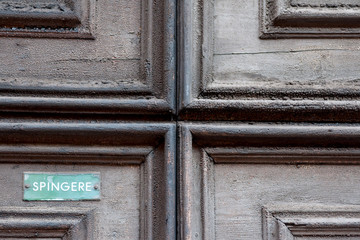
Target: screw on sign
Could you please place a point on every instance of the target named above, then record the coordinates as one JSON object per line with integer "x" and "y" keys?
{"x": 61, "y": 186}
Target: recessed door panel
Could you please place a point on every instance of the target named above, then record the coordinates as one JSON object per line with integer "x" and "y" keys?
{"x": 132, "y": 166}
{"x": 115, "y": 216}
{"x": 268, "y": 60}
{"x": 275, "y": 202}
{"x": 87, "y": 56}
{"x": 269, "y": 181}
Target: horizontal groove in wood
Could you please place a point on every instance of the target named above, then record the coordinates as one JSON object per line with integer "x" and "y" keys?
{"x": 74, "y": 155}
{"x": 285, "y": 155}
{"x": 33, "y": 19}
{"x": 277, "y": 143}
{"x": 69, "y": 105}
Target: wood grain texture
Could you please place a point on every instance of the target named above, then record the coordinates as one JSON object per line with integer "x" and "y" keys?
{"x": 228, "y": 73}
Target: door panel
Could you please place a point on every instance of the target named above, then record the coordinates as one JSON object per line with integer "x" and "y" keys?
{"x": 87, "y": 56}
{"x": 73, "y": 71}
{"x": 115, "y": 216}
{"x": 269, "y": 181}
{"x": 137, "y": 167}
{"x": 269, "y": 60}
{"x": 305, "y": 201}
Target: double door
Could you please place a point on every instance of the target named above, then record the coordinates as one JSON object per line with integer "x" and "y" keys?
{"x": 216, "y": 119}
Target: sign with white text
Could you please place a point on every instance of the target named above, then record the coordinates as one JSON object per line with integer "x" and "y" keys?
{"x": 61, "y": 186}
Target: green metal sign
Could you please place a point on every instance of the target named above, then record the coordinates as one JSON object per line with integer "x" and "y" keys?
{"x": 61, "y": 186}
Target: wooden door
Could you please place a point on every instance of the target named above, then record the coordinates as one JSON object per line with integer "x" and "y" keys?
{"x": 269, "y": 99}
{"x": 81, "y": 82}
{"x": 258, "y": 128}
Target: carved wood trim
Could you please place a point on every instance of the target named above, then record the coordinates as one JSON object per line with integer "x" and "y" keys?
{"x": 202, "y": 146}
{"x": 196, "y": 190}
{"x": 152, "y": 94}
{"x": 54, "y": 19}
{"x": 285, "y": 222}
{"x": 67, "y": 224}
{"x": 202, "y": 97}
{"x": 73, "y": 155}
{"x": 348, "y": 4}
{"x": 283, "y": 155}
{"x": 38, "y": 14}
{"x": 287, "y": 19}
{"x": 151, "y": 146}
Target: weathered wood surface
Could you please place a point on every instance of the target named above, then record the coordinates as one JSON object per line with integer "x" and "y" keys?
{"x": 112, "y": 59}
{"x": 268, "y": 181}
{"x": 228, "y": 72}
{"x": 137, "y": 166}
{"x": 117, "y": 214}
{"x": 127, "y": 65}
{"x": 241, "y": 191}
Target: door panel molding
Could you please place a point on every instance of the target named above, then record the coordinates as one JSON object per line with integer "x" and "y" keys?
{"x": 203, "y": 145}
{"x": 63, "y": 223}
{"x": 53, "y": 19}
{"x": 30, "y": 153}
{"x": 238, "y": 91}
{"x": 285, "y": 222}
{"x": 283, "y": 155}
{"x": 314, "y": 19}
{"x": 100, "y": 82}
{"x": 150, "y": 146}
